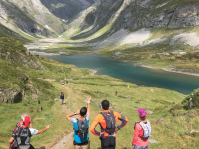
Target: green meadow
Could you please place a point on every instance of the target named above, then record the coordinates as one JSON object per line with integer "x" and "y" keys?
{"x": 165, "y": 104}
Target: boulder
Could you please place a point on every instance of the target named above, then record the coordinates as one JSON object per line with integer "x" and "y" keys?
{"x": 193, "y": 132}
{"x": 127, "y": 96}
{"x": 33, "y": 96}
{"x": 40, "y": 108}
{"x": 151, "y": 141}
{"x": 38, "y": 92}
{"x": 149, "y": 112}
{"x": 160, "y": 121}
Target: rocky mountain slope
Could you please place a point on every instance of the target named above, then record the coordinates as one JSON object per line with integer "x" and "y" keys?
{"x": 66, "y": 9}
{"x": 29, "y": 18}
{"x": 128, "y": 14}
{"x": 141, "y": 30}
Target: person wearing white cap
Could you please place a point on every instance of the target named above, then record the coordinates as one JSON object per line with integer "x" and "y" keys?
{"x": 24, "y": 134}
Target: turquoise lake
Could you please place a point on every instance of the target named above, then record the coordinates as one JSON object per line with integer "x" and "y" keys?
{"x": 129, "y": 73}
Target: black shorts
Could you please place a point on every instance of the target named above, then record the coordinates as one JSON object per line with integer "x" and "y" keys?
{"x": 108, "y": 143}
{"x": 80, "y": 144}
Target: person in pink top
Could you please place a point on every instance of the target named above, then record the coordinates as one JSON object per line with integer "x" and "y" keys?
{"x": 142, "y": 131}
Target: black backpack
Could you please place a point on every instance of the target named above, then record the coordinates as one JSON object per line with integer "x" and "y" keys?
{"x": 110, "y": 122}
{"x": 14, "y": 144}
{"x": 82, "y": 128}
{"x": 23, "y": 137}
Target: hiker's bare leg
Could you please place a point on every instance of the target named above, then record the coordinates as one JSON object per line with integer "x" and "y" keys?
{"x": 77, "y": 147}
{"x": 85, "y": 147}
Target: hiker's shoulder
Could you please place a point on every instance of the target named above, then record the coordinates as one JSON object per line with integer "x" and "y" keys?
{"x": 116, "y": 114}
{"x": 137, "y": 125}
{"x": 73, "y": 120}
{"x": 99, "y": 116}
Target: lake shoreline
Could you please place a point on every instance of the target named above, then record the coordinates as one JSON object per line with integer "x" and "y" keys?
{"x": 167, "y": 69}
{"x": 135, "y": 64}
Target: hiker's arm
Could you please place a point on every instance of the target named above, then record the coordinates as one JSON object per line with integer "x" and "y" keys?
{"x": 72, "y": 114}
{"x": 124, "y": 121}
{"x": 92, "y": 128}
{"x": 136, "y": 134}
{"x": 11, "y": 140}
{"x": 88, "y": 105}
{"x": 30, "y": 125}
{"x": 42, "y": 130}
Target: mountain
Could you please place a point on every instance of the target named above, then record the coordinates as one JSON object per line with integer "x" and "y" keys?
{"x": 66, "y": 9}
{"x": 132, "y": 15}
{"x": 29, "y": 18}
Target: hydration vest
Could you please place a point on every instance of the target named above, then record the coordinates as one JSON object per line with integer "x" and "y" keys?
{"x": 110, "y": 122}
{"x": 23, "y": 138}
{"x": 146, "y": 127}
{"x": 14, "y": 144}
{"x": 82, "y": 128}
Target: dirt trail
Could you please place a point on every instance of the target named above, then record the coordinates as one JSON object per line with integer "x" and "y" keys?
{"x": 67, "y": 140}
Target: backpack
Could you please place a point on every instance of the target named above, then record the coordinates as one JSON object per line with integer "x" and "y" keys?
{"x": 110, "y": 122}
{"x": 23, "y": 137}
{"x": 82, "y": 128}
{"x": 14, "y": 144}
{"x": 146, "y": 130}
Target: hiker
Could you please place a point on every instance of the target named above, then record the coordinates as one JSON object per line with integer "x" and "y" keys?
{"x": 116, "y": 93}
{"x": 61, "y": 97}
{"x": 108, "y": 120}
{"x": 81, "y": 126}
{"x": 142, "y": 131}
{"x": 24, "y": 134}
{"x": 14, "y": 145}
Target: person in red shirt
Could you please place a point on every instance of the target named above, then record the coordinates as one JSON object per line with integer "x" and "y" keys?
{"x": 142, "y": 131}
{"x": 108, "y": 135}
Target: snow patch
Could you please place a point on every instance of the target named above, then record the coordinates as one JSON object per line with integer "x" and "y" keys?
{"x": 192, "y": 39}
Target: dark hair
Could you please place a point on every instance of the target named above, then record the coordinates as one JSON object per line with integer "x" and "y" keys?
{"x": 143, "y": 118}
{"x": 105, "y": 104}
{"x": 83, "y": 111}
{"x": 62, "y": 92}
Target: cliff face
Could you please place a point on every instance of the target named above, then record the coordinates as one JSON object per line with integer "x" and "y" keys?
{"x": 30, "y": 17}
{"x": 153, "y": 14}
{"x": 66, "y": 9}
{"x": 127, "y": 14}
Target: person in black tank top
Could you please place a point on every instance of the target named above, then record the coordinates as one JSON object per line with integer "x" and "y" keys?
{"x": 61, "y": 97}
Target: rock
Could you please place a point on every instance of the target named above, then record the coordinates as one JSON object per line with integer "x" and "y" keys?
{"x": 152, "y": 90}
{"x": 149, "y": 112}
{"x": 40, "y": 108}
{"x": 23, "y": 94}
{"x": 127, "y": 96}
{"x": 194, "y": 113}
{"x": 33, "y": 96}
{"x": 151, "y": 141}
{"x": 160, "y": 121}
{"x": 56, "y": 99}
{"x": 193, "y": 132}
{"x": 197, "y": 93}
{"x": 190, "y": 103}
{"x": 62, "y": 81}
{"x": 38, "y": 92}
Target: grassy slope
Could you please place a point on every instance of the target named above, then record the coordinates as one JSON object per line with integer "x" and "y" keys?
{"x": 170, "y": 134}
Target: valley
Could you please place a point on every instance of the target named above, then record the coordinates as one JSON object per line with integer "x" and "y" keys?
{"x": 128, "y": 42}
